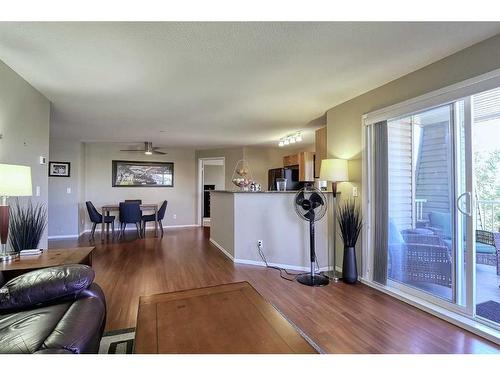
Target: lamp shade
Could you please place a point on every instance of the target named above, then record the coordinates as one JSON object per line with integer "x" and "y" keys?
{"x": 15, "y": 180}
{"x": 334, "y": 170}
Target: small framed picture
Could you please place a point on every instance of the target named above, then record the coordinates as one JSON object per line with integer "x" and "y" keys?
{"x": 59, "y": 169}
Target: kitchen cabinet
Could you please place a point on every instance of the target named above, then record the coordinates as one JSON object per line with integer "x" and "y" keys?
{"x": 305, "y": 161}
{"x": 290, "y": 160}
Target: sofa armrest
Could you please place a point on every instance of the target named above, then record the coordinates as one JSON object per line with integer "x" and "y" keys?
{"x": 45, "y": 286}
{"x": 81, "y": 328}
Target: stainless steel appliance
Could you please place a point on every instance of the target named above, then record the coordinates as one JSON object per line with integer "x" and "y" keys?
{"x": 290, "y": 173}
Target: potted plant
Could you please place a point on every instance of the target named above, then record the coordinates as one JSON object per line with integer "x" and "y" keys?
{"x": 27, "y": 223}
{"x": 350, "y": 222}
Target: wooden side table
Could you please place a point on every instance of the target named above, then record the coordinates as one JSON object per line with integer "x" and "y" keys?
{"x": 48, "y": 258}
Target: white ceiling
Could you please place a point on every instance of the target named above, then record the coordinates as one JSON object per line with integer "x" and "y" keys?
{"x": 215, "y": 84}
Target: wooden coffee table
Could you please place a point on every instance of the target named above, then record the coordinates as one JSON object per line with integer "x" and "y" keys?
{"x": 48, "y": 258}
{"x": 229, "y": 318}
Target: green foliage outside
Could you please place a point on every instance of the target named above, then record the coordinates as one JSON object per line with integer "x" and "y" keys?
{"x": 487, "y": 175}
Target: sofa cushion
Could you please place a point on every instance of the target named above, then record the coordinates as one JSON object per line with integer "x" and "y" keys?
{"x": 24, "y": 332}
{"x": 483, "y": 248}
{"x": 45, "y": 286}
{"x": 81, "y": 328}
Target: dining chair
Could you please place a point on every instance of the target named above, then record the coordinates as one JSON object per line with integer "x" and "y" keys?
{"x": 96, "y": 218}
{"x": 130, "y": 213}
{"x": 161, "y": 216}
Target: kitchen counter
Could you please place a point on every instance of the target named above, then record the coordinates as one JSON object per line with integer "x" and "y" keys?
{"x": 239, "y": 219}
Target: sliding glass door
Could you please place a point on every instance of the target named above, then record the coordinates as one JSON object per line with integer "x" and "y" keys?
{"x": 485, "y": 150}
{"x": 426, "y": 176}
{"x": 433, "y": 213}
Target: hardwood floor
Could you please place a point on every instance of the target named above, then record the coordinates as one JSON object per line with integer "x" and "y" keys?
{"x": 340, "y": 318}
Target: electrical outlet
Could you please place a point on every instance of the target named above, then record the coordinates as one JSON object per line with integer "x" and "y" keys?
{"x": 259, "y": 243}
{"x": 68, "y": 190}
{"x": 37, "y": 191}
{"x": 174, "y": 216}
{"x": 354, "y": 191}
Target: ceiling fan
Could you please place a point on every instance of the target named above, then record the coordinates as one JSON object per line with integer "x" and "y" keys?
{"x": 148, "y": 149}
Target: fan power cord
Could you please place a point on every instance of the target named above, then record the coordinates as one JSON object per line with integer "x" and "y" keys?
{"x": 282, "y": 270}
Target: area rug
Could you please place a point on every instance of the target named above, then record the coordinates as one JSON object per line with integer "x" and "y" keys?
{"x": 120, "y": 341}
{"x": 489, "y": 310}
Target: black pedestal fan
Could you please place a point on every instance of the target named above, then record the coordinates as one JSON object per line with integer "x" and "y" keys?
{"x": 310, "y": 205}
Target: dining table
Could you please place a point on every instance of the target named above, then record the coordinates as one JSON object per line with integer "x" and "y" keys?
{"x": 106, "y": 209}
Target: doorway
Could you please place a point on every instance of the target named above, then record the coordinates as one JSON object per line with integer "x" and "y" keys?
{"x": 211, "y": 176}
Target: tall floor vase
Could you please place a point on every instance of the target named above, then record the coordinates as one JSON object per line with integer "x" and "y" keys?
{"x": 349, "y": 266}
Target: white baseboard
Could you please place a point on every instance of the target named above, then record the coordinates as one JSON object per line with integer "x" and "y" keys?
{"x": 63, "y": 236}
{"x": 180, "y": 226}
{"x": 279, "y": 265}
{"x": 224, "y": 251}
{"x": 262, "y": 264}
{"x": 98, "y": 230}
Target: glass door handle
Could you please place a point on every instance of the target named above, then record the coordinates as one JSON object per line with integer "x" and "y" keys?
{"x": 467, "y": 193}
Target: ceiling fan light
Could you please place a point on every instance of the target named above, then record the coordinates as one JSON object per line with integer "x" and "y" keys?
{"x": 286, "y": 142}
{"x": 298, "y": 137}
{"x": 292, "y": 139}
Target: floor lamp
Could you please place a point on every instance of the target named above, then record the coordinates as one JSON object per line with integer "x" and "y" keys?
{"x": 15, "y": 181}
{"x": 334, "y": 170}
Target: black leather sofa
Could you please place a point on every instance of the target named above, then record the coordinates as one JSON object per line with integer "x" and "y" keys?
{"x": 52, "y": 310}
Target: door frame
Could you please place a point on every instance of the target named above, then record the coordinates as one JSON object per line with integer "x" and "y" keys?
{"x": 199, "y": 206}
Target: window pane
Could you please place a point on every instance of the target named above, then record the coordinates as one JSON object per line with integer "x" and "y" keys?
{"x": 486, "y": 150}
{"x": 421, "y": 201}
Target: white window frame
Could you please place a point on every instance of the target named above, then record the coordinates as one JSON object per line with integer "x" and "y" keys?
{"x": 446, "y": 95}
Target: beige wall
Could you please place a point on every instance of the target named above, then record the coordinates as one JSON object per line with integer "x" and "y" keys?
{"x": 222, "y": 221}
{"x": 344, "y": 120}
{"x": 24, "y": 125}
{"x": 64, "y": 207}
{"x": 181, "y": 198}
{"x": 239, "y": 220}
{"x": 214, "y": 175}
{"x": 231, "y": 156}
{"x": 261, "y": 159}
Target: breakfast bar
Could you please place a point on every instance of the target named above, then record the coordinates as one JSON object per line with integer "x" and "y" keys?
{"x": 240, "y": 219}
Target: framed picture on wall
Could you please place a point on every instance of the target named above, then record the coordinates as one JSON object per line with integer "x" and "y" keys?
{"x": 142, "y": 174}
{"x": 59, "y": 169}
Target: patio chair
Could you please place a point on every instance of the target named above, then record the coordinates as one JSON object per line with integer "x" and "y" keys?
{"x": 488, "y": 248}
{"x": 422, "y": 258}
{"x": 487, "y": 243}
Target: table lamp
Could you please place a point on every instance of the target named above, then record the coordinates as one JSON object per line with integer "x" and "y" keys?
{"x": 334, "y": 170}
{"x": 15, "y": 181}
